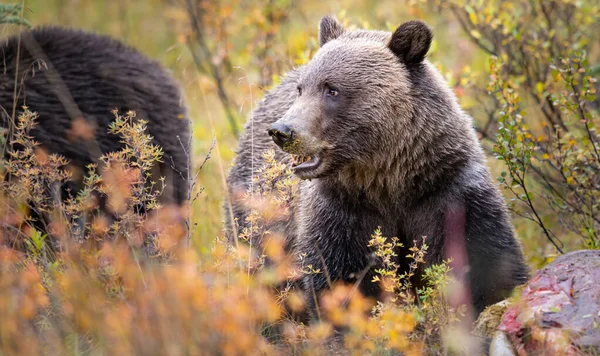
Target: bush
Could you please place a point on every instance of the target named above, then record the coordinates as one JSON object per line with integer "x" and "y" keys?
{"x": 541, "y": 100}
{"x": 129, "y": 286}
{"x": 12, "y": 14}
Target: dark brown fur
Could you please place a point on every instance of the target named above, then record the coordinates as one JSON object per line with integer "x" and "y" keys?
{"x": 396, "y": 151}
{"x": 65, "y": 74}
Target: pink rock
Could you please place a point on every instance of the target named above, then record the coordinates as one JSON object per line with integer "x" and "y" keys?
{"x": 559, "y": 310}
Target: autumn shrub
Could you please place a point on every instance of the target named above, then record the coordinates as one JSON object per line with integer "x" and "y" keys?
{"x": 118, "y": 279}
{"x": 12, "y": 14}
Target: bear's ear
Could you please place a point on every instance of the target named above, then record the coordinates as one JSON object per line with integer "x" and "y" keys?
{"x": 411, "y": 41}
{"x": 329, "y": 29}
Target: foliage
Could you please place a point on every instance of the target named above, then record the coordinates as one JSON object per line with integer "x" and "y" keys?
{"x": 11, "y": 14}
{"x": 543, "y": 106}
{"x": 35, "y": 180}
{"x": 210, "y": 27}
{"x": 393, "y": 281}
{"x": 428, "y": 305}
{"x": 121, "y": 287}
{"x": 269, "y": 199}
{"x": 40, "y": 174}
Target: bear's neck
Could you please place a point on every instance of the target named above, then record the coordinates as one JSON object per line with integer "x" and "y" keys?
{"x": 418, "y": 168}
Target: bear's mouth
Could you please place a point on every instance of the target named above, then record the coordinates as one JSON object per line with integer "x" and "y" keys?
{"x": 305, "y": 164}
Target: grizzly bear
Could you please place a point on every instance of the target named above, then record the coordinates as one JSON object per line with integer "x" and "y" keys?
{"x": 66, "y": 75}
{"x": 378, "y": 140}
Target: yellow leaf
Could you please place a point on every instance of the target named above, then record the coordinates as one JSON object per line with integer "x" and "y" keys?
{"x": 473, "y": 18}
{"x": 539, "y": 87}
{"x": 476, "y": 34}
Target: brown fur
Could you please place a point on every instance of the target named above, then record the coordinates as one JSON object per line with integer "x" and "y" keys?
{"x": 66, "y": 75}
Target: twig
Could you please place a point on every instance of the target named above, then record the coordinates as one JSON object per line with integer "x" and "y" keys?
{"x": 212, "y": 68}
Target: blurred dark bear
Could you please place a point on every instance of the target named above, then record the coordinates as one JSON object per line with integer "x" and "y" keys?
{"x": 72, "y": 77}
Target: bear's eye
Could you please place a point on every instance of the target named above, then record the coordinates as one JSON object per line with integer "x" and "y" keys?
{"x": 332, "y": 92}
{"x": 299, "y": 91}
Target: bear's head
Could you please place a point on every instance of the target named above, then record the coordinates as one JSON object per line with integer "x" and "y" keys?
{"x": 359, "y": 101}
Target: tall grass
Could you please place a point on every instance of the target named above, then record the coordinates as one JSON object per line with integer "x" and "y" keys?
{"x": 87, "y": 283}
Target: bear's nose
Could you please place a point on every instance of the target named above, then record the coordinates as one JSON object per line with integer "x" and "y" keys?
{"x": 281, "y": 134}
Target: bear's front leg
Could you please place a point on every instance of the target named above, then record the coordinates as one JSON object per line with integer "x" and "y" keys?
{"x": 334, "y": 230}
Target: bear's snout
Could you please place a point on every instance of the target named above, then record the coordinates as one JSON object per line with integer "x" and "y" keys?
{"x": 281, "y": 133}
